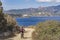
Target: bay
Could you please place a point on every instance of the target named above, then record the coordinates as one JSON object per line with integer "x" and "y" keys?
{"x": 34, "y": 20}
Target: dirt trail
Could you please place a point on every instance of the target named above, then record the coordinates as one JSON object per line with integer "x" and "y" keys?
{"x": 27, "y": 35}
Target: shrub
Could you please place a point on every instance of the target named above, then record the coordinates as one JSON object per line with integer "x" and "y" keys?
{"x": 49, "y": 30}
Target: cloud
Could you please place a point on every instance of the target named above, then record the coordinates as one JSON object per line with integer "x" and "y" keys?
{"x": 48, "y": 0}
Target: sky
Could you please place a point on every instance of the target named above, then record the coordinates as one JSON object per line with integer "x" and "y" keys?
{"x": 22, "y": 4}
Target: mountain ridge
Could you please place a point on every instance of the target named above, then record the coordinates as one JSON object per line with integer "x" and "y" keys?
{"x": 53, "y": 10}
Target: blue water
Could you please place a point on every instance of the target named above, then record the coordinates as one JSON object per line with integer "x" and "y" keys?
{"x": 34, "y": 20}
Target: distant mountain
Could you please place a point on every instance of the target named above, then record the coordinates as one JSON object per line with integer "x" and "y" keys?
{"x": 51, "y": 10}
{"x": 22, "y": 11}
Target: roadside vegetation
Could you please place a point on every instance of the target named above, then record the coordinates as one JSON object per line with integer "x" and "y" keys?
{"x": 8, "y": 25}
{"x": 48, "y": 30}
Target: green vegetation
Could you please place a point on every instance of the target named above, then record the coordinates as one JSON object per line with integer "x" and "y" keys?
{"x": 2, "y": 19}
{"x": 49, "y": 30}
{"x": 8, "y": 25}
{"x": 0, "y": 3}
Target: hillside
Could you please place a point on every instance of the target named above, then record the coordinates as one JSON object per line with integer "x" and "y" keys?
{"x": 48, "y": 30}
{"x": 43, "y": 11}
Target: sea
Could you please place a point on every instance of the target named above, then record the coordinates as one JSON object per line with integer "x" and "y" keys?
{"x": 32, "y": 21}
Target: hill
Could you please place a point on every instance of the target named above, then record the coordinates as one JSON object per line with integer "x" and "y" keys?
{"x": 43, "y": 11}
{"x": 48, "y": 30}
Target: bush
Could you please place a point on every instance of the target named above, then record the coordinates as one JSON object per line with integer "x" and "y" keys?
{"x": 8, "y": 25}
{"x": 11, "y": 23}
{"x": 49, "y": 30}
